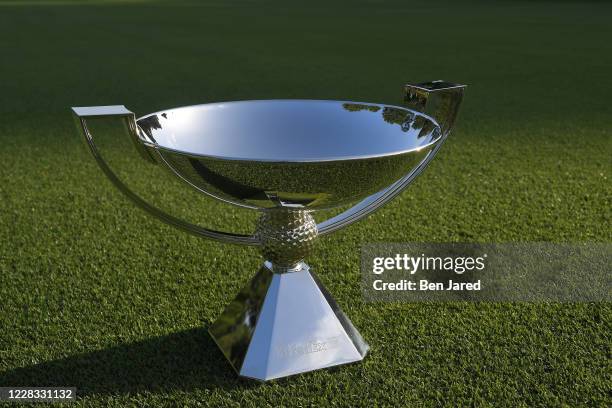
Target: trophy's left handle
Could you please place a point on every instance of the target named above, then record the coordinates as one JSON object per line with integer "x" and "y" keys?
{"x": 127, "y": 118}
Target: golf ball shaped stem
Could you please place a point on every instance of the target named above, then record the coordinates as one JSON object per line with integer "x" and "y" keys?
{"x": 286, "y": 237}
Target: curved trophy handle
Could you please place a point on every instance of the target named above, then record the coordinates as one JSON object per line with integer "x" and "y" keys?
{"x": 122, "y": 114}
{"x": 438, "y": 99}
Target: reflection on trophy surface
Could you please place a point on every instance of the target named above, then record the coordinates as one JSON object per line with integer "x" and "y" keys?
{"x": 286, "y": 159}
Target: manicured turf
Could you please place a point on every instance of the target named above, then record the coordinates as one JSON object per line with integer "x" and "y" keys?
{"x": 95, "y": 294}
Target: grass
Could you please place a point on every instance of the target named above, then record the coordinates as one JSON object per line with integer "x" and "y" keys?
{"x": 94, "y": 294}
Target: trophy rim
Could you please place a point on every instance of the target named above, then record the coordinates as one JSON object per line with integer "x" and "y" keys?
{"x": 323, "y": 159}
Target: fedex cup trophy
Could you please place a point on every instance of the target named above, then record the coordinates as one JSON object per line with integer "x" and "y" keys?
{"x": 286, "y": 159}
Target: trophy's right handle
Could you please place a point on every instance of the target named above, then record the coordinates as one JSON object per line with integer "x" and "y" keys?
{"x": 437, "y": 99}
{"x": 122, "y": 114}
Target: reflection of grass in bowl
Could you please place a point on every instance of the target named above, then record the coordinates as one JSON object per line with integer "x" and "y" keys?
{"x": 95, "y": 294}
{"x": 318, "y": 185}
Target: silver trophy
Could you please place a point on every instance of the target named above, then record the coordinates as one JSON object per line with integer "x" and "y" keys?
{"x": 286, "y": 159}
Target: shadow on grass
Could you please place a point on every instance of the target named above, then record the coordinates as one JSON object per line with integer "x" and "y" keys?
{"x": 185, "y": 361}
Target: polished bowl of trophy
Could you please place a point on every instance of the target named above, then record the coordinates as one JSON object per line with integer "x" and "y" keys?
{"x": 304, "y": 154}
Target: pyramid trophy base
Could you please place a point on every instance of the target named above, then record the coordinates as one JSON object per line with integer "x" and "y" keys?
{"x": 284, "y": 321}
{"x": 282, "y": 324}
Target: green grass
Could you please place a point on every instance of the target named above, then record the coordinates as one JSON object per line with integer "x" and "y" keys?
{"x": 94, "y": 294}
